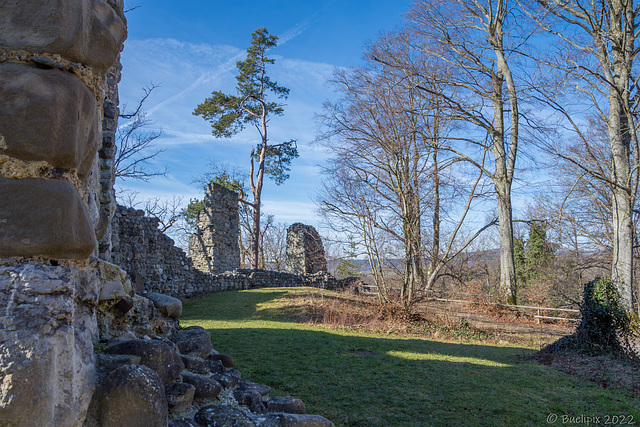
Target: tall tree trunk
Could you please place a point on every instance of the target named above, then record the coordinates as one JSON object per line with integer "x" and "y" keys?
{"x": 502, "y": 179}
{"x": 622, "y": 204}
{"x": 622, "y": 34}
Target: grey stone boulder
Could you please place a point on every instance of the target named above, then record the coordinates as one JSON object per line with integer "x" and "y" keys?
{"x": 133, "y": 396}
{"x": 167, "y": 305}
{"x": 251, "y": 395}
{"x": 154, "y": 354}
{"x": 223, "y": 416}
{"x": 196, "y": 365}
{"x": 109, "y": 362}
{"x": 183, "y": 422}
{"x": 288, "y": 404}
{"x": 193, "y": 341}
{"x": 264, "y": 390}
{"x": 214, "y": 366}
{"x": 179, "y": 395}
{"x": 226, "y": 360}
{"x": 205, "y": 388}
{"x": 252, "y": 400}
{"x": 228, "y": 379}
{"x": 295, "y": 420}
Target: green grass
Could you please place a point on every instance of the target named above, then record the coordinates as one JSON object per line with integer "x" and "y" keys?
{"x": 368, "y": 379}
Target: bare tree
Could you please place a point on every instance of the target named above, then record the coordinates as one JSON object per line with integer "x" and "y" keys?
{"x": 385, "y": 134}
{"x": 135, "y": 145}
{"x": 470, "y": 37}
{"x": 598, "y": 65}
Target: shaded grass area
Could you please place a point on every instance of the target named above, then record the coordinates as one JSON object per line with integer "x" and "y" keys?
{"x": 356, "y": 378}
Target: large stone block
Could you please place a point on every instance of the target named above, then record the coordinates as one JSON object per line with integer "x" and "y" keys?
{"x": 87, "y": 31}
{"x": 133, "y": 396}
{"x": 40, "y": 217}
{"x": 47, "y": 115}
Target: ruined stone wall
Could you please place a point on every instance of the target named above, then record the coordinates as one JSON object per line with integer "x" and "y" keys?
{"x": 54, "y": 55}
{"x": 106, "y": 155}
{"x": 155, "y": 264}
{"x": 215, "y": 249}
{"x": 305, "y": 252}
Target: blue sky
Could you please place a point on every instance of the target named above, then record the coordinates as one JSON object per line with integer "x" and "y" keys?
{"x": 189, "y": 49}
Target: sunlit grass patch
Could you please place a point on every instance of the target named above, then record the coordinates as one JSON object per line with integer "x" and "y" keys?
{"x": 362, "y": 378}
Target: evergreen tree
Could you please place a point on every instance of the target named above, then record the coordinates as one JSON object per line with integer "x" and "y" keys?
{"x": 229, "y": 114}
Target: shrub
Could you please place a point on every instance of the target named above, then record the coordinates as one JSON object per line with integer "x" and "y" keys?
{"x": 605, "y": 327}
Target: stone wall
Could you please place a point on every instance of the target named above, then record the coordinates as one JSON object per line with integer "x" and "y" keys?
{"x": 214, "y": 248}
{"x": 106, "y": 155}
{"x": 305, "y": 252}
{"x": 155, "y": 264}
{"x": 54, "y": 55}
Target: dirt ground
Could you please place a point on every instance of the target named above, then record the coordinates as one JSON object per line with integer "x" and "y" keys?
{"x": 514, "y": 326}
{"x": 604, "y": 370}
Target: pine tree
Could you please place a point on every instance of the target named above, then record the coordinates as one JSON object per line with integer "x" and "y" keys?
{"x": 229, "y": 114}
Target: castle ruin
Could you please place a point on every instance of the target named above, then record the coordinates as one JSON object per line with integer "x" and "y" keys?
{"x": 214, "y": 247}
{"x": 305, "y": 253}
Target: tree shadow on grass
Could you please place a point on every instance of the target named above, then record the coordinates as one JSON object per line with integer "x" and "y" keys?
{"x": 378, "y": 381}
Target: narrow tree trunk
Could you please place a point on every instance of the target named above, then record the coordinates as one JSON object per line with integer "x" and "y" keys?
{"x": 255, "y": 233}
{"x": 436, "y": 212}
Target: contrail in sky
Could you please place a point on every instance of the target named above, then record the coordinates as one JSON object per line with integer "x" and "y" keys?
{"x": 288, "y": 35}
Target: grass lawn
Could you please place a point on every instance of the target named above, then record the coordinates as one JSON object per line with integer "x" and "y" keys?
{"x": 375, "y": 379}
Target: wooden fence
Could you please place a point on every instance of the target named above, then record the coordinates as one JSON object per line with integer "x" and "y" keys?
{"x": 370, "y": 290}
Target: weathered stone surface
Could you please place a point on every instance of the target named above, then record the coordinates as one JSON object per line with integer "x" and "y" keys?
{"x": 196, "y": 365}
{"x": 215, "y": 248}
{"x": 287, "y": 404}
{"x": 111, "y": 272}
{"x": 149, "y": 256}
{"x": 251, "y": 395}
{"x": 193, "y": 341}
{"x": 46, "y": 353}
{"x": 112, "y": 290}
{"x": 227, "y": 380}
{"x": 226, "y": 360}
{"x": 305, "y": 252}
{"x": 154, "y": 354}
{"x": 214, "y": 366}
{"x": 183, "y": 422}
{"x": 223, "y": 416}
{"x": 86, "y": 31}
{"x": 109, "y": 362}
{"x": 63, "y": 230}
{"x": 179, "y": 395}
{"x": 206, "y": 388}
{"x": 295, "y": 420}
{"x": 264, "y": 390}
{"x": 167, "y": 306}
{"x": 143, "y": 319}
{"x": 46, "y": 103}
{"x": 133, "y": 396}
{"x": 251, "y": 399}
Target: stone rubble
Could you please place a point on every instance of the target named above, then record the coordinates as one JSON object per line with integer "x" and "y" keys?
{"x": 183, "y": 381}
